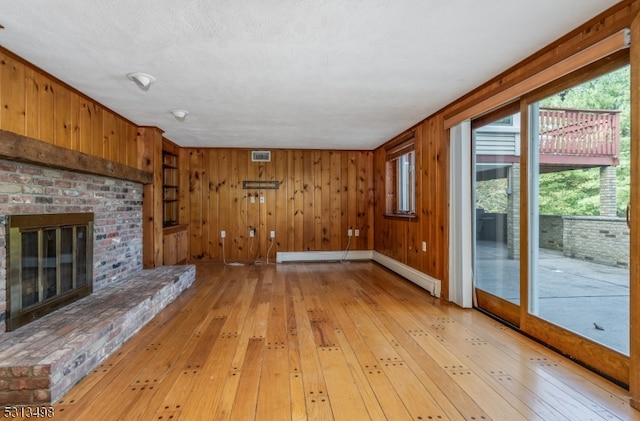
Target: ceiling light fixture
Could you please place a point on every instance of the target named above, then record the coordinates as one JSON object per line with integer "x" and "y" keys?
{"x": 143, "y": 80}
{"x": 180, "y": 114}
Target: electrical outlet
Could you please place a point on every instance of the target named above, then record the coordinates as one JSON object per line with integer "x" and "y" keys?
{"x": 349, "y": 232}
{"x": 357, "y": 233}
{"x": 424, "y": 246}
{"x": 272, "y": 234}
{"x": 252, "y": 199}
{"x": 223, "y": 234}
{"x": 261, "y": 199}
{"x": 252, "y": 233}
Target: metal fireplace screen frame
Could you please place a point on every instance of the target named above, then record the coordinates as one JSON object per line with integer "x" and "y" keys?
{"x": 49, "y": 265}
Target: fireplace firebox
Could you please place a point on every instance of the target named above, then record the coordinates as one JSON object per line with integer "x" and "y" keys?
{"x": 49, "y": 265}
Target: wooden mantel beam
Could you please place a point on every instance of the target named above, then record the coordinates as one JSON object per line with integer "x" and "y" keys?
{"x": 16, "y": 147}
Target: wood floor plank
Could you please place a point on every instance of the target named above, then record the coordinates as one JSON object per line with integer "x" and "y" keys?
{"x": 273, "y": 400}
{"x": 218, "y": 363}
{"x": 161, "y": 326}
{"x": 118, "y": 381}
{"x": 475, "y": 349}
{"x": 298, "y": 403}
{"x": 376, "y": 391}
{"x": 394, "y": 332}
{"x": 313, "y": 380}
{"x": 346, "y": 400}
{"x": 332, "y": 341}
{"x": 246, "y": 394}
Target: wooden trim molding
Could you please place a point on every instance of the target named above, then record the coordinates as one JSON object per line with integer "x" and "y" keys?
{"x": 16, "y": 147}
{"x": 604, "y": 361}
{"x": 634, "y": 265}
{"x": 591, "y": 54}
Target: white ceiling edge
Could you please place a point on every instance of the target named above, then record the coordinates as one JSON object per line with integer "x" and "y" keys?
{"x": 284, "y": 74}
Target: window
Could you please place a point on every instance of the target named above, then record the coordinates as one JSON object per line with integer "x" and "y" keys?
{"x": 507, "y": 121}
{"x": 401, "y": 178}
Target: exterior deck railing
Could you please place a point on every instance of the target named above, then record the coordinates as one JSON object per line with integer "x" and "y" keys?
{"x": 574, "y": 132}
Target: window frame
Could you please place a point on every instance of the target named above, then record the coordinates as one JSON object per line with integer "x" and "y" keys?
{"x": 400, "y": 186}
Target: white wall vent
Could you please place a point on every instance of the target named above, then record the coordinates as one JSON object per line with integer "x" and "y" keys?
{"x": 261, "y": 156}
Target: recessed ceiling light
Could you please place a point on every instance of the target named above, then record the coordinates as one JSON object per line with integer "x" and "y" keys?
{"x": 143, "y": 80}
{"x": 180, "y": 114}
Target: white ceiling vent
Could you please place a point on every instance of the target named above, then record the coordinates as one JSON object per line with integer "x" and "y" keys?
{"x": 261, "y": 156}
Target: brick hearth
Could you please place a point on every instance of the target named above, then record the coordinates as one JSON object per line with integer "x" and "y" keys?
{"x": 39, "y": 362}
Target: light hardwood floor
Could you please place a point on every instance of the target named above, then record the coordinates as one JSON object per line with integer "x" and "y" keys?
{"x": 332, "y": 341}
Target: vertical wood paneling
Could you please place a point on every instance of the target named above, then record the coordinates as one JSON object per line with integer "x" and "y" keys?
{"x": 308, "y": 195}
{"x": 85, "y": 133}
{"x": 150, "y": 150}
{"x": 39, "y": 106}
{"x": 97, "y": 123}
{"x": 268, "y": 221}
{"x": 344, "y": 199}
{"x": 367, "y": 209}
{"x": 281, "y": 215}
{"x": 110, "y": 134}
{"x": 120, "y": 143}
{"x": 12, "y": 80}
{"x": 429, "y": 172}
{"x": 197, "y": 206}
{"x": 441, "y": 203}
{"x": 211, "y": 206}
{"x": 224, "y": 195}
{"x": 308, "y": 212}
{"x": 252, "y": 213}
{"x": 381, "y": 223}
{"x": 350, "y": 183}
{"x": 74, "y": 121}
{"x": 131, "y": 145}
{"x": 325, "y": 199}
{"x": 46, "y": 103}
{"x": 236, "y": 234}
{"x": 401, "y": 238}
{"x": 32, "y": 104}
{"x": 62, "y": 116}
{"x": 336, "y": 201}
{"x": 317, "y": 200}
{"x": 206, "y": 199}
{"x": 297, "y": 234}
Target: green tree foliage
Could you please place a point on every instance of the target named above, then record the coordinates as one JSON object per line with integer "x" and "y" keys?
{"x": 491, "y": 195}
{"x": 577, "y": 192}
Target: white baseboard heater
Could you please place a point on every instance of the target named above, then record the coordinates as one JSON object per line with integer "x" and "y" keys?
{"x": 423, "y": 280}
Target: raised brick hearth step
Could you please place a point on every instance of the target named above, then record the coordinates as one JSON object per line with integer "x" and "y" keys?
{"x": 41, "y": 361}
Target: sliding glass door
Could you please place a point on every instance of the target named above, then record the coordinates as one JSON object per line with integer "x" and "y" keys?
{"x": 551, "y": 192}
{"x": 579, "y": 192}
{"x": 497, "y": 215}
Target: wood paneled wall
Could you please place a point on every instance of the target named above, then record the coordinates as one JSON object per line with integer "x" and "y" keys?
{"x": 322, "y": 194}
{"x": 36, "y": 105}
{"x": 401, "y": 238}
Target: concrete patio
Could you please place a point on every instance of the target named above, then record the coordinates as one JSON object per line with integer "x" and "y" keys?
{"x": 572, "y": 293}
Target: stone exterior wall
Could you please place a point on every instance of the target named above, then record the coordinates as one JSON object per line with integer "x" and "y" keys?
{"x": 116, "y": 204}
{"x": 597, "y": 239}
{"x": 513, "y": 213}
{"x": 551, "y": 232}
{"x": 608, "y": 191}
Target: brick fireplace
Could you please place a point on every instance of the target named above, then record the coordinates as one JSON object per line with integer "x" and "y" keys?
{"x": 116, "y": 205}
{"x": 50, "y": 264}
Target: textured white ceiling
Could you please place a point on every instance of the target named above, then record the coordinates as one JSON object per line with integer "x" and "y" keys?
{"x": 327, "y": 74}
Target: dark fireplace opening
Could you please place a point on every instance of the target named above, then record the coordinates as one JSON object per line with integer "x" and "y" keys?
{"x": 50, "y": 264}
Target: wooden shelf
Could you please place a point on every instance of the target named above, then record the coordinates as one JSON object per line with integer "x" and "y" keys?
{"x": 175, "y": 236}
{"x": 170, "y": 186}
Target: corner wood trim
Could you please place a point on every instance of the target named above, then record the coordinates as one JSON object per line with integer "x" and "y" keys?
{"x": 16, "y": 147}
